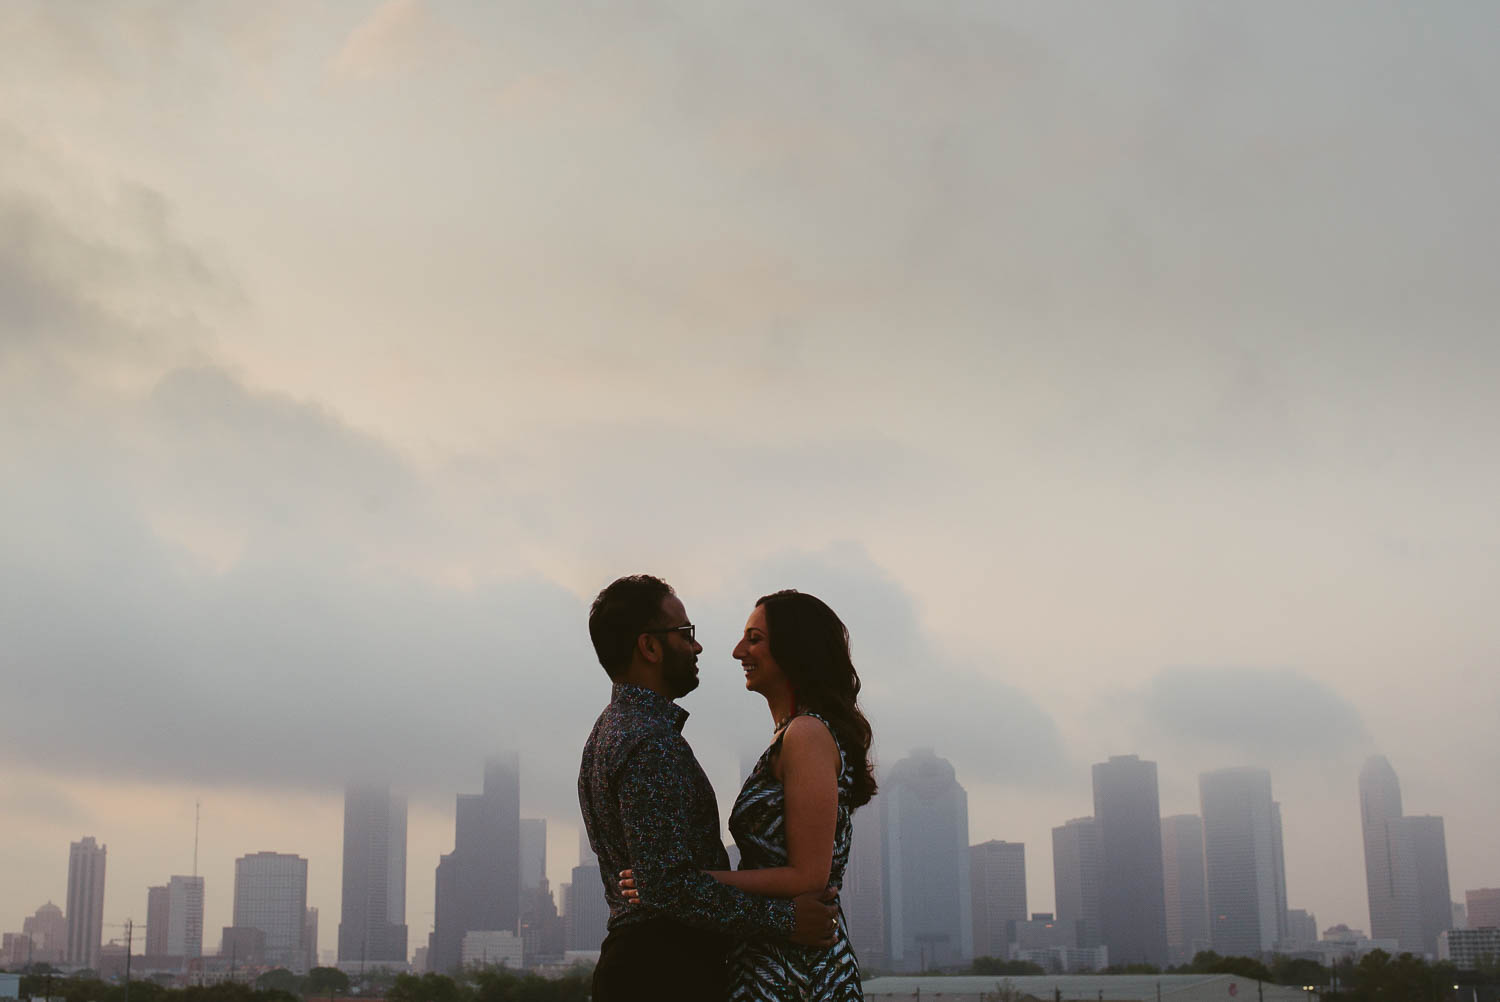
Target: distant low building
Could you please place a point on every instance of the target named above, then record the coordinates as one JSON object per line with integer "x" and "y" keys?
{"x": 1340, "y": 943}
{"x": 15, "y": 949}
{"x": 492, "y": 948}
{"x": 214, "y": 970}
{"x": 359, "y": 968}
{"x": 111, "y": 960}
{"x": 1301, "y": 930}
{"x": 243, "y": 946}
{"x": 1483, "y": 907}
{"x": 1065, "y": 959}
{"x": 49, "y": 935}
{"x": 1342, "y": 931}
{"x": 1469, "y": 949}
{"x": 1043, "y": 932}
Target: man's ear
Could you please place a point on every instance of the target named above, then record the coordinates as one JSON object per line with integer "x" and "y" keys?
{"x": 648, "y": 647}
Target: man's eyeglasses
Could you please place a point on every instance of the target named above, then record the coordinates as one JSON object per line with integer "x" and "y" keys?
{"x": 686, "y": 629}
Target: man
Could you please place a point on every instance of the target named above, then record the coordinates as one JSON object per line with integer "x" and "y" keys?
{"x": 648, "y": 807}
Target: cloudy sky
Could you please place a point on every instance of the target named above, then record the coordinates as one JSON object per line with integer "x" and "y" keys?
{"x": 1124, "y": 374}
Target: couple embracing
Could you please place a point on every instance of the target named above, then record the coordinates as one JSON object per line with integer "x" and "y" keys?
{"x": 682, "y": 925}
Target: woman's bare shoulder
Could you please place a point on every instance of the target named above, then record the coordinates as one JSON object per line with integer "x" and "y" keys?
{"x": 808, "y": 734}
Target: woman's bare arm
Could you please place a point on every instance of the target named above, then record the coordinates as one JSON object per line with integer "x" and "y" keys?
{"x": 809, "y": 772}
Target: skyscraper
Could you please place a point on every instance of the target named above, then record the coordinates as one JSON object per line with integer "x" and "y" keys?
{"x": 310, "y": 938}
{"x": 185, "y": 916}
{"x": 997, "y": 883}
{"x": 158, "y": 905}
{"x": 85, "y": 911}
{"x": 587, "y": 910}
{"x": 1406, "y": 864}
{"x": 925, "y": 813}
{"x": 586, "y": 854}
{"x": 1240, "y": 837}
{"x": 1132, "y": 904}
{"x": 372, "y": 919}
{"x": 1420, "y": 846}
{"x": 533, "y": 853}
{"x": 479, "y": 882}
{"x": 270, "y": 895}
{"x": 1392, "y": 902}
{"x": 1278, "y": 871}
{"x": 1078, "y": 877}
{"x": 863, "y": 893}
{"x": 1184, "y": 888}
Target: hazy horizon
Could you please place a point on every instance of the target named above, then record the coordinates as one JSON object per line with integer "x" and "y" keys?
{"x": 1124, "y": 376}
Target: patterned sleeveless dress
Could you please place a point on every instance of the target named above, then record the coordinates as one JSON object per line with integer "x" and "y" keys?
{"x": 769, "y": 970}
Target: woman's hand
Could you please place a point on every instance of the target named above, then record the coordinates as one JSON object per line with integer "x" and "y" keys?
{"x": 627, "y": 887}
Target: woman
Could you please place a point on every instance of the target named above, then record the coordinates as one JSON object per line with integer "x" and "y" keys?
{"x": 792, "y": 818}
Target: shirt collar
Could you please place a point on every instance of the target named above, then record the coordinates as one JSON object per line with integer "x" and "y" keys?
{"x": 650, "y": 702}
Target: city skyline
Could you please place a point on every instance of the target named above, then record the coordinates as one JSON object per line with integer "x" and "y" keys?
{"x": 1123, "y": 377}
{"x": 1417, "y": 843}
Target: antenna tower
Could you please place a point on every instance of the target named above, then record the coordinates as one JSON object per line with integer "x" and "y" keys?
{"x": 197, "y": 812}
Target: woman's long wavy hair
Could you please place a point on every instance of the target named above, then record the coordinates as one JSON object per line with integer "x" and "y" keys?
{"x": 811, "y": 645}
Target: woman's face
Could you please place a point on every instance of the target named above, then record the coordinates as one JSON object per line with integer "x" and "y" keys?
{"x": 753, "y": 652}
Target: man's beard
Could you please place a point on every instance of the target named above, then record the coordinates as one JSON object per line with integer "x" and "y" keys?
{"x": 680, "y": 673}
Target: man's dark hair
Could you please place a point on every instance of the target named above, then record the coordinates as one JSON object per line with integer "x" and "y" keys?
{"x": 624, "y": 610}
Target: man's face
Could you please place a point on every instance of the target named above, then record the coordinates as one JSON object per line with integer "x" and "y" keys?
{"x": 679, "y": 654}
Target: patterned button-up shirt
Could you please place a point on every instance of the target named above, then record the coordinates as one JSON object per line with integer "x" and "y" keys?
{"x": 648, "y": 807}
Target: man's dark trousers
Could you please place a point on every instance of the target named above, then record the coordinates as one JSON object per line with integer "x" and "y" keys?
{"x": 661, "y": 959}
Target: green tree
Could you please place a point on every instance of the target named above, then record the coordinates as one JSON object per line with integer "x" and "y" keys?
{"x": 81, "y": 989}
{"x": 1378, "y": 976}
{"x": 497, "y": 984}
{"x": 429, "y": 987}
{"x": 146, "y": 991}
{"x": 325, "y": 981}
{"x": 1298, "y": 971}
{"x": 279, "y": 979}
{"x": 228, "y": 991}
